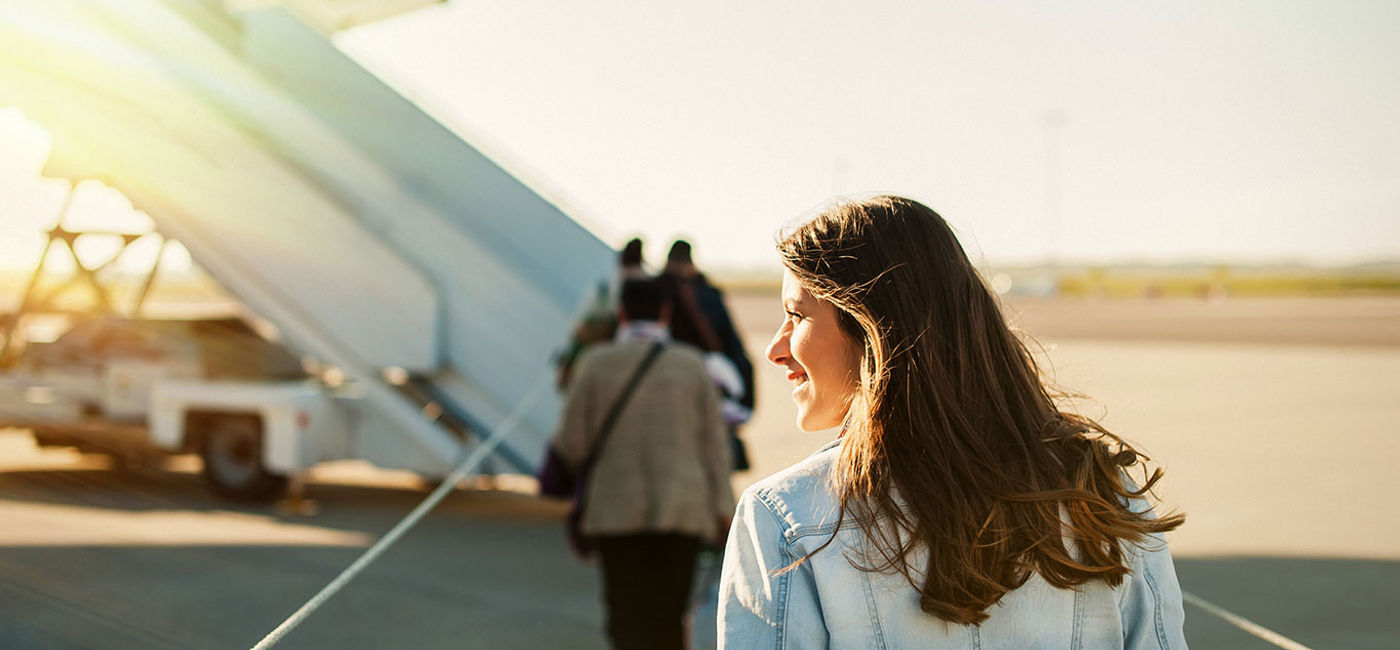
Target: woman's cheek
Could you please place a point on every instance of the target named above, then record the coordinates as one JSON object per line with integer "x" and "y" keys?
{"x": 797, "y": 345}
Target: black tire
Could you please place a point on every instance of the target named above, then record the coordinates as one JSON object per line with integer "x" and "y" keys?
{"x": 231, "y": 449}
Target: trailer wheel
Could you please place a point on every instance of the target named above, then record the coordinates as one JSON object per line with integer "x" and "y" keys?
{"x": 232, "y": 455}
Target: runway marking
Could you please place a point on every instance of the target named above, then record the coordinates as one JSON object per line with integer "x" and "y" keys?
{"x": 1244, "y": 623}
{"x": 449, "y": 484}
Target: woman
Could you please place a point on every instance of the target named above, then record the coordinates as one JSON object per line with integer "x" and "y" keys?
{"x": 959, "y": 507}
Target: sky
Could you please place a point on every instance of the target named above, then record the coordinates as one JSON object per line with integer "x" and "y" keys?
{"x": 30, "y": 204}
{"x": 1245, "y": 131}
{"x": 1098, "y": 132}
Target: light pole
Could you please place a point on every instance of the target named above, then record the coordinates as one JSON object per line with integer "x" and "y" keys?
{"x": 1051, "y": 121}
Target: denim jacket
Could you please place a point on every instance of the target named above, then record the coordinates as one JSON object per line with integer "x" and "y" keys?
{"x": 826, "y": 602}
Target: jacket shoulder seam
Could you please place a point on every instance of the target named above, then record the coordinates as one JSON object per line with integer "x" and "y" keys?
{"x": 778, "y": 510}
{"x": 1157, "y": 621}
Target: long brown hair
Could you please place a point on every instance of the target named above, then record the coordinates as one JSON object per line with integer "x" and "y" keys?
{"x": 953, "y": 417}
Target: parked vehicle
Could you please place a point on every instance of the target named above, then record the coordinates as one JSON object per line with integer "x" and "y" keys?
{"x": 137, "y": 388}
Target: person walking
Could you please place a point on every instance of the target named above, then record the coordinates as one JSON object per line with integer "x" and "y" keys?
{"x": 702, "y": 319}
{"x": 656, "y": 471}
{"x": 599, "y": 320}
{"x": 960, "y": 505}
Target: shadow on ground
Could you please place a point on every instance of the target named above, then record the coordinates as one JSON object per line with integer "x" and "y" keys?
{"x": 486, "y": 569}
{"x": 1319, "y": 602}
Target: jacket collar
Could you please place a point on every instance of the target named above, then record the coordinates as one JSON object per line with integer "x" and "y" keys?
{"x": 643, "y": 330}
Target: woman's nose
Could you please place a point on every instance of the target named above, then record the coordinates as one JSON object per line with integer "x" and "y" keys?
{"x": 777, "y": 351}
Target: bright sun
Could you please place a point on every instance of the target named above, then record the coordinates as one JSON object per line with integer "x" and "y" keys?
{"x": 33, "y": 204}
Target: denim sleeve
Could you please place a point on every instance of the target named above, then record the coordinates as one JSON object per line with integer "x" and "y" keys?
{"x": 1153, "y": 616}
{"x": 758, "y": 609}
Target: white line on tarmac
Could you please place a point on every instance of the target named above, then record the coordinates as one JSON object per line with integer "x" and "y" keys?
{"x": 478, "y": 454}
{"x": 1244, "y": 623}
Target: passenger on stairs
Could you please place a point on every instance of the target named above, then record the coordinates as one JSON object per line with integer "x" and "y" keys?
{"x": 599, "y": 321}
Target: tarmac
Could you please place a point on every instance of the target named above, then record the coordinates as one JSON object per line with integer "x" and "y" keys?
{"x": 1278, "y": 447}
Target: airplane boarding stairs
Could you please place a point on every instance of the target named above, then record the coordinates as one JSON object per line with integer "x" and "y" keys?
{"x": 370, "y": 235}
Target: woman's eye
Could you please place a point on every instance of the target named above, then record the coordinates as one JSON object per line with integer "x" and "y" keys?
{"x": 794, "y": 315}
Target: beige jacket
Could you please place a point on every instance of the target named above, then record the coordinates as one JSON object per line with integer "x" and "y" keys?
{"x": 665, "y": 467}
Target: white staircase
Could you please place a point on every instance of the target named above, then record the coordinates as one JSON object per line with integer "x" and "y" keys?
{"x": 367, "y": 232}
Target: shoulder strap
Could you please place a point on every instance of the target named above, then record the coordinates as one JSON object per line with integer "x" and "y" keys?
{"x": 690, "y": 302}
{"x": 616, "y": 410}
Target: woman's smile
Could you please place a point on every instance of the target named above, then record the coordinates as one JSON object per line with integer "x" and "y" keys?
{"x": 820, "y": 359}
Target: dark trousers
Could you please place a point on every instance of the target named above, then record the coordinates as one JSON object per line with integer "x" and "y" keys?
{"x": 646, "y": 585}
